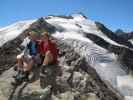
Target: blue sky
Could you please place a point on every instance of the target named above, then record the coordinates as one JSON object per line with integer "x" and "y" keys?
{"x": 113, "y": 13}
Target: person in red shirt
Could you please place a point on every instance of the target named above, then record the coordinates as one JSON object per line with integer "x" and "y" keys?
{"x": 49, "y": 54}
{"x": 48, "y": 50}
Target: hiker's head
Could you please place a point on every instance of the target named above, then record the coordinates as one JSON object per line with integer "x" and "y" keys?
{"x": 45, "y": 36}
{"x": 33, "y": 35}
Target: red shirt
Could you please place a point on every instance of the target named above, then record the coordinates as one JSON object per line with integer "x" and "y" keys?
{"x": 49, "y": 46}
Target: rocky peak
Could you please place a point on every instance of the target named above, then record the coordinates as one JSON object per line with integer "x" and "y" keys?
{"x": 84, "y": 55}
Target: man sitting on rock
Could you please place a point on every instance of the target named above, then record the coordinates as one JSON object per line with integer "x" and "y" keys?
{"x": 49, "y": 55}
{"x": 28, "y": 58}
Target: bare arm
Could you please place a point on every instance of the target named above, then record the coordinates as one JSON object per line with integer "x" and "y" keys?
{"x": 48, "y": 58}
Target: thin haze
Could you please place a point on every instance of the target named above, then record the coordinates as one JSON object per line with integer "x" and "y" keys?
{"x": 114, "y": 14}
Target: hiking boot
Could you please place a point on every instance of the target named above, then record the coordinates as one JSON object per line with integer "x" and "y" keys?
{"x": 22, "y": 76}
{"x": 42, "y": 69}
{"x": 15, "y": 68}
{"x": 18, "y": 73}
{"x": 15, "y": 83}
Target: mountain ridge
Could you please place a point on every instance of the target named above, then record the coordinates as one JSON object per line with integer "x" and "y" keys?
{"x": 101, "y": 48}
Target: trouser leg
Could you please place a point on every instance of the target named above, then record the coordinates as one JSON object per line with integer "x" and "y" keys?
{"x": 48, "y": 77}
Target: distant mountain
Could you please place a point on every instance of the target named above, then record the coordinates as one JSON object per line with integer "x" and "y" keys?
{"x": 119, "y": 32}
{"x": 124, "y": 35}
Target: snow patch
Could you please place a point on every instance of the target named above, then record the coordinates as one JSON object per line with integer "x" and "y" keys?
{"x": 71, "y": 35}
{"x": 25, "y": 42}
{"x": 12, "y": 31}
{"x": 128, "y": 97}
{"x": 78, "y": 17}
{"x": 125, "y": 81}
{"x": 87, "y": 26}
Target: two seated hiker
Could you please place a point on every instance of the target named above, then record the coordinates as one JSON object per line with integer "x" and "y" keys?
{"x": 42, "y": 51}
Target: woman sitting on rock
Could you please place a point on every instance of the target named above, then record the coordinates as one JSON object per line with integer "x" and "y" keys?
{"x": 49, "y": 55}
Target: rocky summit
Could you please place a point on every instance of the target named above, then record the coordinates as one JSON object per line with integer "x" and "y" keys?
{"x": 94, "y": 62}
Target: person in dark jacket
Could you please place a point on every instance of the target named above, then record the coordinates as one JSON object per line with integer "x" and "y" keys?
{"x": 28, "y": 58}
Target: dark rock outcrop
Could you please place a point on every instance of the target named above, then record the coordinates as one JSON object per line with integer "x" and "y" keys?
{"x": 112, "y": 35}
{"x": 40, "y": 26}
